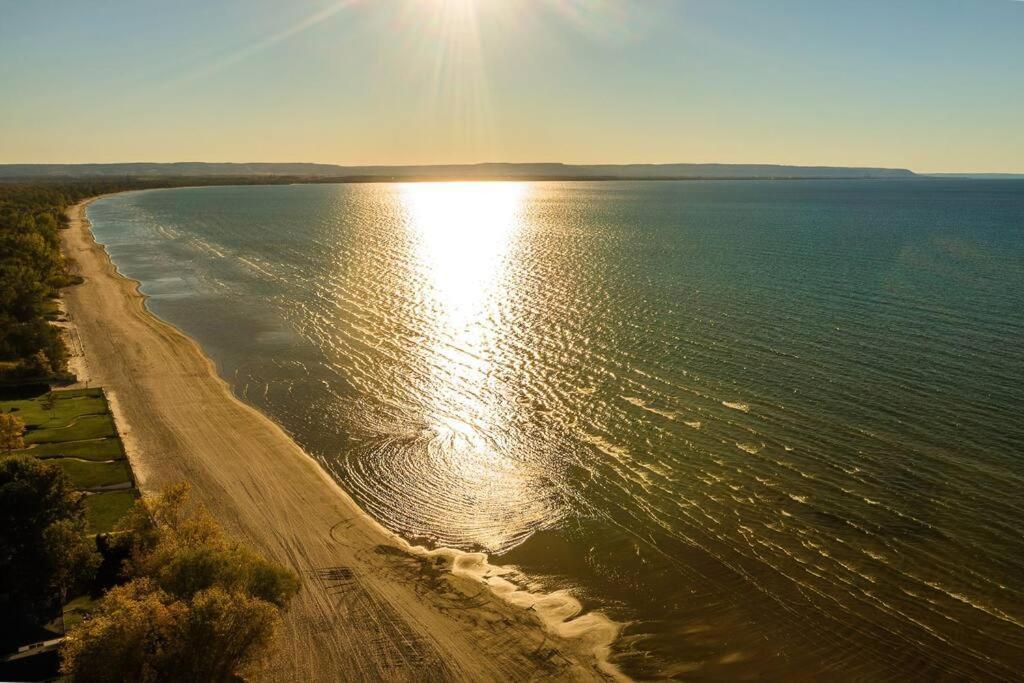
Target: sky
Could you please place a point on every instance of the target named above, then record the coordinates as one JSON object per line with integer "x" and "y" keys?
{"x": 930, "y": 85}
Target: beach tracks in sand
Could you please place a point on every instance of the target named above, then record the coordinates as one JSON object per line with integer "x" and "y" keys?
{"x": 370, "y": 608}
{"x": 393, "y": 644}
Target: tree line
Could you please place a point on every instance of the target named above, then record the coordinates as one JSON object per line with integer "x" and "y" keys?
{"x": 33, "y": 269}
{"x": 32, "y": 272}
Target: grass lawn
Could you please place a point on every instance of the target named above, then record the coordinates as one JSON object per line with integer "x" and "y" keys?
{"x": 77, "y": 609}
{"x": 80, "y": 429}
{"x": 87, "y": 475}
{"x": 99, "y": 449}
{"x": 67, "y": 406}
{"x": 85, "y": 427}
{"x": 104, "y": 510}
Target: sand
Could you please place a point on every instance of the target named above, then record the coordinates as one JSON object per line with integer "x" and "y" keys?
{"x": 371, "y": 607}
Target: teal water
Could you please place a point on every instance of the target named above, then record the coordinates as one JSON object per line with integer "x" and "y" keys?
{"x": 774, "y": 428}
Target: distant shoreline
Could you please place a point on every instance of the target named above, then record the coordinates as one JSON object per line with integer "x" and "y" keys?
{"x": 282, "y": 172}
{"x": 340, "y": 180}
{"x": 144, "y": 183}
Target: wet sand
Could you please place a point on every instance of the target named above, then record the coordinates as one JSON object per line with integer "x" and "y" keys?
{"x": 371, "y": 607}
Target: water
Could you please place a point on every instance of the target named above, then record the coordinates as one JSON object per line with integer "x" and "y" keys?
{"x": 775, "y": 428}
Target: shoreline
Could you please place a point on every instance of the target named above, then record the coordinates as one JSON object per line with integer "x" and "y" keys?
{"x": 372, "y": 605}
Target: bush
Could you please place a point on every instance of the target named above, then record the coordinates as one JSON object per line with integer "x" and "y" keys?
{"x": 12, "y": 432}
{"x": 196, "y": 606}
{"x": 142, "y": 633}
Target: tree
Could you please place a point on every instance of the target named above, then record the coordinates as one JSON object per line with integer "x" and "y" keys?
{"x": 127, "y": 639}
{"x": 48, "y": 402}
{"x": 72, "y": 558}
{"x": 198, "y": 606}
{"x": 141, "y": 633}
{"x": 177, "y": 544}
{"x": 38, "y": 365}
{"x": 45, "y": 550}
{"x": 222, "y": 634}
{"x": 12, "y": 429}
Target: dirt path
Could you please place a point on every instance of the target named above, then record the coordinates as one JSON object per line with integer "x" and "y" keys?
{"x": 370, "y": 609}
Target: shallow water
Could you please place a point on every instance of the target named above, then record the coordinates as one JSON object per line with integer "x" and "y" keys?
{"x": 773, "y": 427}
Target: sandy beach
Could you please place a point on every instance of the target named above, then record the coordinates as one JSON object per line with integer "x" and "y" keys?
{"x": 371, "y": 607}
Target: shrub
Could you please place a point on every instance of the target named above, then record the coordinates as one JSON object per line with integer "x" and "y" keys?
{"x": 197, "y": 606}
{"x": 142, "y": 633}
{"x": 12, "y": 432}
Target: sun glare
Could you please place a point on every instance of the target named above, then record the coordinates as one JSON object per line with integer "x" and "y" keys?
{"x": 462, "y": 232}
{"x": 461, "y": 235}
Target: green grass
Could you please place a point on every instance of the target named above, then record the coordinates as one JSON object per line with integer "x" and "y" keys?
{"x": 79, "y": 428}
{"x": 67, "y": 406}
{"x": 86, "y": 427}
{"x": 77, "y": 609}
{"x": 101, "y": 449}
{"x": 104, "y": 510}
{"x": 87, "y": 475}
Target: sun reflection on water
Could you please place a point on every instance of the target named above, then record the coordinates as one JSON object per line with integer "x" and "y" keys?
{"x": 462, "y": 232}
{"x": 462, "y": 236}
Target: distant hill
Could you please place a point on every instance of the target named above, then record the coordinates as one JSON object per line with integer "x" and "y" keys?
{"x": 980, "y": 176}
{"x": 457, "y": 171}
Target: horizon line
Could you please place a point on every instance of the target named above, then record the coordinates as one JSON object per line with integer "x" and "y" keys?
{"x": 510, "y": 163}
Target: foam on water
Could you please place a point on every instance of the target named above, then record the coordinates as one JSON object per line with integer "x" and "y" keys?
{"x": 559, "y": 611}
{"x": 640, "y": 403}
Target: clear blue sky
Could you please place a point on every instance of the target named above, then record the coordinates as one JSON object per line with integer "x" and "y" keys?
{"x": 933, "y": 85}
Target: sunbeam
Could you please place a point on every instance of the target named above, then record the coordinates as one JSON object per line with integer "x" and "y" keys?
{"x": 247, "y": 51}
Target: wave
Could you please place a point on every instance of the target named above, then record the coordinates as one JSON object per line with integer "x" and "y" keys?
{"x": 644, "y": 405}
{"x": 559, "y": 612}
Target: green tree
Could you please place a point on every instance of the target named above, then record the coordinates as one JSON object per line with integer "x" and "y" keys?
{"x": 45, "y": 550}
{"x": 177, "y": 544}
{"x": 49, "y": 402}
{"x": 71, "y": 556}
{"x": 37, "y": 365}
{"x": 222, "y": 634}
